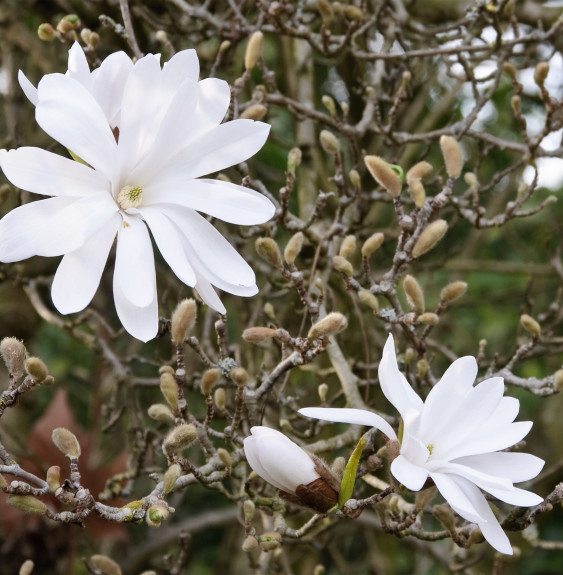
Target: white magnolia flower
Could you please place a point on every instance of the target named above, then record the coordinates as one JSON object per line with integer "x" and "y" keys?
{"x": 454, "y": 438}
{"x": 300, "y": 477}
{"x": 144, "y": 147}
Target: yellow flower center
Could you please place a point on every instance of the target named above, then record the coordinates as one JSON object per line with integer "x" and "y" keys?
{"x": 130, "y": 197}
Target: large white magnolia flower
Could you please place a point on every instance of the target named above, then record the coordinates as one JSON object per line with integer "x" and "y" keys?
{"x": 454, "y": 437}
{"x": 144, "y": 144}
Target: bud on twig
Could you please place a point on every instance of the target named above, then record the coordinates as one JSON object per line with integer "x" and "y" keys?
{"x": 329, "y": 142}
{"x": 428, "y": 318}
{"x": 179, "y": 438}
{"x": 46, "y": 32}
{"x": 248, "y": 509}
{"x": 160, "y": 412}
{"x": 369, "y": 299}
{"x": 419, "y": 171}
{"x": 342, "y": 265}
{"x": 414, "y": 293}
{"x": 172, "y": 475}
{"x": 106, "y": 565}
{"x": 239, "y": 376}
{"x": 332, "y": 324}
{"x": 372, "y": 243}
{"x": 254, "y": 112}
{"x": 294, "y": 159}
{"x": 417, "y": 192}
{"x": 268, "y": 250}
{"x": 329, "y": 104}
{"x": 453, "y": 157}
{"x": 445, "y": 516}
{"x": 169, "y": 389}
{"x": 209, "y": 378}
{"x": 253, "y": 50}
{"x": 12, "y": 351}
{"x": 530, "y": 324}
{"x": 54, "y": 478}
{"x": 354, "y": 176}
{"x": 327, "y": 14}
{"x": 293, "y": 247}
{"x": 27, "y": 567}
{"x": 258, "y": 334}
{"x": 156, "y": 514}
{"x": 424, "y": 497}
{"x": 66, "y": 441}
{"x": 27, "y": 504}
{"x": 225, "y": 457}
{"x": 453, "y": 291}
{"x": 433, "y": 233}
{"x": 347, "y": 247}
{"x": 36, "y": 368}
{"x": 270, "y": 541}
{"x": 558, "y": 380}
{"x": 540, "y": 73}
{"x": 220, "y": 398}
{"x": 322, "y": 390}
{"x": 384, "y": 175}
{"x": 183, "y": 319}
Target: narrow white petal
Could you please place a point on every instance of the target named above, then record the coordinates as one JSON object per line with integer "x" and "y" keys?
{"x": 183, "y": 65}
{"x": 512, "y": 465}
{"x": 394, "y": 384}
{"x": 78, "y": 68}
{"x": 70, "y": 115}
{"x": 79, "y": 272}
{"x": 483, "y": 480}
{"x": 208, "y": 294}
{"x": 346, "y": 415}
{"x": 453, "y": 489}
{"x": 228, "y": 202}
{"x": 134, "y": 262}
{"x": 251, "y": 451}
{"x": 42, "y": 172}
{"x": 28, "y": 88}
{"x": 412, "y": 476}
{"x": 140, "y": 322}
{"x": 515, "y": 496}
{"x": 213, "y": 103}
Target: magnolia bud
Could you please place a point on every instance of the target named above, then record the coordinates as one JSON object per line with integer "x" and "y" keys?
{"x": 329, "y": 142}
{"x": 224, "y": 46}
{"x": 424, "y": 497}
{"x": 54, "y": 478}
{"x": 369, "y": 299}
{"x": 417, "y": 192}
{"x": 225, "y": 457}
{"x": 27, "y": 567}
{"x": 293, "y": 247}
{"x": 156, "y": 514}
{"x": 12, "y": 351}
{"x": 433, "y": 233}
{"x": 250, "y": 544}
{"x": 372, "y": 243}
{"x": 173, "y": 473}
{"x": 331, "y": 324}
{"x": 239, "y": 376}
{"x": 453, "y": 157}
{"x": 345, "y": 107}
{"x": 540, "y": 73}
{"x": 294, "y": 159}
{"x": 353, "y": 13}
{"x": 169, "y": 389}
{"x": 471, "y": 180}
{"x": 3, "y": 483}
{"x": 347, "y": 247}
{"x": 220, "y": 398}
{"x": 27, "y": 504}
{"x": 268, "y": 250}
{"x": 428, "y": 318}
{"x": 66, "y": 441}
{"x": 248, "y": 509}
{"x": 160, "y": 412}
{"x": 558, "y": 380}
{"x": 166, "y": 369}
{"x": 183, "y": 319}
{"x": 270, "y": 541}
{"x": 253, "y": 50}
{"x": 46, "y": 32}
{"x": 419, "y": 171}
{"x": 445, "y": 516}
{"x": 179, "y": 438}
{"x": 530, "y": 324}
{"x": 328, "y": 103}
{"x": 254, "y": 112}
{"x": 36, "y": 368}
{"x": 209, "y": 378}
{"x": 516, "y": 104}
{"x": 106, "y": 565}
{"x": 322, "y": 390}
{"x": 414, "y": 293}
{"x": 510, "y": 70}
{"x": 384, "y": 174}
{"x": 258, "y": 334}
{"x": 355, "y": 179}
{"x": 421, "y": 368}
{"x": 161, "y": 36}
{"x": 342, "y": 265}
{"x": 453, "y": 291}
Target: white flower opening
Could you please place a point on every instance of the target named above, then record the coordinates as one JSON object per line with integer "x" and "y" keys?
{"x": 455, "y": 437}
{"x": 130, "y": 197}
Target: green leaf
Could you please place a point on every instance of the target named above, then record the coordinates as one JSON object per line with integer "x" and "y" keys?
{"x": 349, "y": 477}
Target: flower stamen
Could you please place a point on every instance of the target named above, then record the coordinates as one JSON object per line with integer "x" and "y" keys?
{"x": 130, "y": 197}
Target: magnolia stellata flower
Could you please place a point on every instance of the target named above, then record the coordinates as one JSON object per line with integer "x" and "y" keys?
{"x": 454, "y": 438}
{"x": 142, "y": 149}
{"x": 300, "y": 477}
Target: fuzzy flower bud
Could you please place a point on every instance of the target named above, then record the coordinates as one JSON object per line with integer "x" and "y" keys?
{"x": 54, "y": 478}
{"x": 419, "y": 171}
{"x": 46, "y": 32}
{"x": 384, "y": 175}
{"x": 239, "y": 376}
{"x": 209, "y": 378}
{"x": 254, "y": 112}
{"x": 372, "y": 244}
{"x": 258, "y": 334}
{"x": 530, "y": 324}
{"x": 369, "y": 299}
{"x": 540, "y": 73}
{"x": 453, "y": 291}
{"x": 355, "y": 179}
{"x": 414, "y": 293}
{"x": 417, "y": 192}
{"x": 183, "y": 319}
{"x": 329, "y": 142}
{"x": 160, "y": 412}
{"x": 445, "y": 516}
{"x": 220, "y": 398}
{"x": 12, "y": 351}
{"x": 269, "y": 251}
{"x": 294, "y": 158}
{"x": 327, "y": 14}
{"x": 169, "y": 389}
{"x": 156, "y": 514}
{"x": 471, "y": 180}
{"x": 342, "y": 265}
{"x": 67, "y": 442}
{"x": 428, "y": 318}
{"x": 172, "y": 475}
{"x": 27, "y": 567}
{"x": 331, "y": 324}
{"x": 353, "y": 13}
{"x": 36, "y": 368}
{"x": 106, "y": 565}
{"x": 27, "y": 504}
{"x": 250, "y": 544}
{"x": 293, "y": 247}
{"x": 516, "y": 104}
{"x": 225, "y": 457}
{"x": 329, "y": 104}
{"x": 558, "y": 380}
{"x": 253, "y": 50}
{"x": 453, "y": 157}
{"x": 424, "y": 497}
{"x": 179, "y": 438}
{"x": 433, "y": 233}
{"x": 322, "y": 390}
{"x": 270, "y": 541}
{"x": 347, "y": 247}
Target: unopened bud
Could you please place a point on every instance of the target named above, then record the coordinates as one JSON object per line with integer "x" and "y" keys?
{"x": 510, "y": 70}
{"x": 345, "y": 107}
{"x": 36, "y": 368}
{"x": 293, "y": 247}
{"x": 414, "y": 293}
{"x": 453, "y": 291}
{"x": 372, "y": 243}
{"x": 161, "y": 36}
{"x": 329, "y": 104}
{"x": 67, "y": 442}
{"x": 421, "y": 368}
{"x": 12, "y": 351}
{"x": 294, "y": 158}
{"x": 369, "y": 299}
{"x": 169, "y": 389}
{"x": 453, "y": 157}
{"x": 348, "y": 246}
{"x": 516, "y": 105}
{"x": 156, "y": 514}
{"x": 166, "y": 369}
{"x": 3, "y": 483}
{"x": 248, "y": 509}
{"x": 419, "y": 171}
{"x": 417, "y": 192}
{"x": 54, "y": 478}
{"x": 179, "y": 438}
{"x": 46, "y": 32}
{"x": 220, "y": 398}
{"x": 27, "y": 567}
{"x": 471, "y": 180}
{"x": 428, "y": 318}
{"x": 249, "y": 544}
{"x": 355, "y": 179}
{"x": 225, "y": 45}
{"x": 160, "y": 412}
{"x": 445, "y": 516}
{"x": 209, "y": 378}
{"x": 254, "y": 112}
{"x": 433, "y": 233}
{"x": 540, "y": 73}
{"x": 225, "y": 457}
{"x": 173, "y": 473}
{"x": 239, "y": 376}
{"x": 353, "y": 13}
{"x": 104, "y": 564}
{"x": 530, "y": 324}
{"x": 258, "y": 334}
{"x": 27, "y": 504}
{"x": 253, "y": 50}
{"x": 322, "y": 390}
{"x": 183, "y": 319}
{"x": 384, "y": 175}
{"x": 331, "y": 324}
{"x": 329, "y": 142}
{"x": 424, "y": 497}
{"x": 268, "y": 250}
{"x": 558, "y": 380}
{"x": 270, "y": 541}
{"x": 342, "y": 265}
{"x": 326, "y": 12}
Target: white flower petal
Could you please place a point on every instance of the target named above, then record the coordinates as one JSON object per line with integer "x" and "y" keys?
{"x": 134, "y": 262}
{"x": 515, "y": 496}
{"x": 412, "y": 476}
{"x": 515, "y": 466}
{"x": 213, "y": 103}
{"x": 208, "y": 294}
{"x": 483, "y": 480}
{"x": 346, "y": 415}
{"x": 452, "y": 489}
{"x": 79, "y": 272}
{"x": 42, "y": 172}
{"x": 183, "y": 65}
{"x": 78, "y": 68}
{"x": 394, "y": 384}
{"x": 70, "y": 115}
{"x": 140, "y": 322}
{"x": 28, "y": 88}
{"x": 228, "y": 202}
